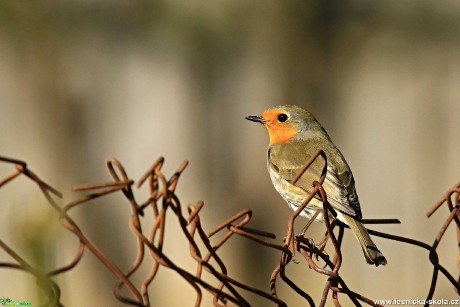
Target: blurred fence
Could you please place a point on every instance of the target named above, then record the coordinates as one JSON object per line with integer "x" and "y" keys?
{"x": 204, "y": 246}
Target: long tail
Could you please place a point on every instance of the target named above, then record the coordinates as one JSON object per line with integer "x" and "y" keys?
{"x": 371, "y": 252}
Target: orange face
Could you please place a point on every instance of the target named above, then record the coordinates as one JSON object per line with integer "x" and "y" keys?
{"x": 279, "y": 128}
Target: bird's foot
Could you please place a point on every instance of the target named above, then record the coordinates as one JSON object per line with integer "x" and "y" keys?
{"x": 317, "y": 249}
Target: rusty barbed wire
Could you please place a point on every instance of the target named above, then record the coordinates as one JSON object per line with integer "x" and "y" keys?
{"x": 164, "y": 203}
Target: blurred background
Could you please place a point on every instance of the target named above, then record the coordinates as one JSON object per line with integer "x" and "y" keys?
{"x": 84, "y": 80}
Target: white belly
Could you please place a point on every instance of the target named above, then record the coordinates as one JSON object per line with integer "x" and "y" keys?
{"x": 295, "y": 196}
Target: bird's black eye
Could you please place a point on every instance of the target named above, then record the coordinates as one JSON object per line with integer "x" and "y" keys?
{"x": 282, "y": 117}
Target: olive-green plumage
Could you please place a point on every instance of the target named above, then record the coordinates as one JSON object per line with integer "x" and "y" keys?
{"x": 295, "y": 135}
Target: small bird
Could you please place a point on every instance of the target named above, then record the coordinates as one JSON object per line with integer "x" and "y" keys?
{"x": 295, "y": 135}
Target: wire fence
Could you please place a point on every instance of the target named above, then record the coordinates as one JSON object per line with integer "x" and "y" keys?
{"x": 204, "y": 246}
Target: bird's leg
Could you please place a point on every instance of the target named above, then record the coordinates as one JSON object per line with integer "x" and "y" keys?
{"x": 322, "y": 245}
{"x": 311, "y": 242}
{"x": 323, "y": 242}
{"x": 313, "y": 218}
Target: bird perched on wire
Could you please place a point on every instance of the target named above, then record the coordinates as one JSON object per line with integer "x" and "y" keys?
{"x": 295, "y": 135}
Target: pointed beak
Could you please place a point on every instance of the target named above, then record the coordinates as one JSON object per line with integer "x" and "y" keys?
{"x": 256, "y": 118}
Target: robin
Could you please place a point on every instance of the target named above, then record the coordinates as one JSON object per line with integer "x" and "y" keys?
{"x": 295, "y": 135}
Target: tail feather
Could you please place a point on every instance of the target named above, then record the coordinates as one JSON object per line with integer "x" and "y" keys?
{"x": 370, "y": 250}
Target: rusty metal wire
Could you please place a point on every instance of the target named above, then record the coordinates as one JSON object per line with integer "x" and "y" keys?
{"x": 226, "y": 290}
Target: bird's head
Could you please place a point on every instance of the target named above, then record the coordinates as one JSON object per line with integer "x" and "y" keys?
{"x": 285, "y": 123}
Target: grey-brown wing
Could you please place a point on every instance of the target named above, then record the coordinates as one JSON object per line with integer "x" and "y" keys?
{"x": 341, "y": 187}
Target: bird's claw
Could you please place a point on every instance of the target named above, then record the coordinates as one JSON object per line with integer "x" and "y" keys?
{"x": 317, "y": 249}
